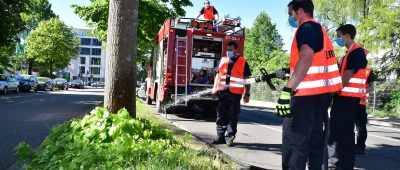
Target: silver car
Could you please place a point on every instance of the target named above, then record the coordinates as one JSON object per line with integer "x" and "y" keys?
{"x": 8, "y": 83}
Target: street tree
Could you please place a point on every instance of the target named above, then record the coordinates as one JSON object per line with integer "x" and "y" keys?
{"x": 120, "y": 88}
{"x": 262, "y": 43}
{"x": 152, "y": 15}
{"x": 11, "y": 22}
{"x": 36, "y": 11}
{"x": 6, "y": 53}
{"x": 52, "y": 44}
{"x": 377, "y": 22}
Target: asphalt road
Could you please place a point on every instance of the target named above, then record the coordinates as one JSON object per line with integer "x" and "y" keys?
{"x": 259, "y": 138}
{"x": 29, "y": 116}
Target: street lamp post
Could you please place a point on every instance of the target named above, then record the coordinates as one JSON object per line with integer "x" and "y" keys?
{"x": 87, "y": 72}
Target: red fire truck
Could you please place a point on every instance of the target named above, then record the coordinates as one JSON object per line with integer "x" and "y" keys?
{"x": 185, "y": 60}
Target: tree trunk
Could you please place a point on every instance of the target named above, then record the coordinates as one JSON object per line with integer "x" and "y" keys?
{"x": 120, "y": 84}
{"x": 30, "y": 65}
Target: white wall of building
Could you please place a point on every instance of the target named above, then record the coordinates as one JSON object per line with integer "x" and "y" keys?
{"x": 76, "y": 66}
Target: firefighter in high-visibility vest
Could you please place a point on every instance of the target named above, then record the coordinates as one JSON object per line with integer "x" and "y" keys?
{"x": 229, "y": 87}
{"x": 362, "y": 117}
{"x": 344, "y": 108}
{"x": 208, "y": 12}
{"x": 304, "y": 101}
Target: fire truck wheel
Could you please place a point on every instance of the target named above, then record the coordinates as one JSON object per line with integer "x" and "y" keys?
{"x": 158, "y": 104}
{"x": 148, "y": 100}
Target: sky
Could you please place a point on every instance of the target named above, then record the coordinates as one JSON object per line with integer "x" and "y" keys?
{"x": 246, "y": 9}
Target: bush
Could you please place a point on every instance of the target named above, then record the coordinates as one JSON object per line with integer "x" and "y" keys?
{"x": 112, "y": 141}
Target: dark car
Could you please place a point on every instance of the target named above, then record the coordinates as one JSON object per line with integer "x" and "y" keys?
{"x": 45, "y": 83}
{"x": 27, "y": 82}
{"x": 61, "y": 84}
{"x": 77, "y": 84}
{"x": 8, "y": 83}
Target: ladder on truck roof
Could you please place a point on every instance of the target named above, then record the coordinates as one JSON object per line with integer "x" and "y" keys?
{"x": 181, "y": 61}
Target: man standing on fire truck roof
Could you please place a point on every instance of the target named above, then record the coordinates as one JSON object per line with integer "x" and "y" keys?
{"x": 209, "y": 12}
{"x": 229, "y": 87}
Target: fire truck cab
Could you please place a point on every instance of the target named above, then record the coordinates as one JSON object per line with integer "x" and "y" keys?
{"x": 185, "y": 61}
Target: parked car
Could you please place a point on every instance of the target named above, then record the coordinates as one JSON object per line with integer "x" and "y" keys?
{"x": 27, "y": 82}
{"x": 8, "y": 83}
{"x": 98, "y": 84}
{"x": 45, "y": 83}
{"x": 61, "y": 84}
{"x": 77, "y": 84}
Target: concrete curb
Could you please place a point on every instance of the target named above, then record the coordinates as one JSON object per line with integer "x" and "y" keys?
{"x": 209, "y": 147}
{"x": 386, "y": 122}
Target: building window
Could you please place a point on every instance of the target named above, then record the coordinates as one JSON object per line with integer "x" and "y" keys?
{"x": 96, "y": 42}
{"x": 96, "y": 51}
{"x": 82, "y": 70}
{"x": 83, "y": 60}
{"x": 95, "y": 61}
{"x": 85, "y": 41}
{"x": 95, "y": 70}
{"x": 85, "y": 51}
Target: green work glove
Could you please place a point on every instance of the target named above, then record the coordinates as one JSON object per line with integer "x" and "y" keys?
{"x": 283, "y": 106}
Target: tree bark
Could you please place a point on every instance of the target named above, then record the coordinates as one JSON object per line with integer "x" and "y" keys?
{"x": 120, "y": 84}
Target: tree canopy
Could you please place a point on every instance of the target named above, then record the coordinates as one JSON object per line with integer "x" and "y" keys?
{"x": 264, "y": 45}
{"x": 11, "y": 22}
{"x": 377, "y": 23}
{"x": 152, "y": 15}
{"x": 53, "y": 44}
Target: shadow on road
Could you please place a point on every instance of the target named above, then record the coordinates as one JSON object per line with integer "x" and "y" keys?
{"x": 276, "y": 148}
{"x": 382, "y": 157}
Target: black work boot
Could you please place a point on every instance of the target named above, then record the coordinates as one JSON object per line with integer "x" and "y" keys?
{"x": 229, "y": 140}
{"x": 219, "y": 140}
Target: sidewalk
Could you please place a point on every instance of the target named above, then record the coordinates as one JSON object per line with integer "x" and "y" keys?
{"x": 375, "y": 121}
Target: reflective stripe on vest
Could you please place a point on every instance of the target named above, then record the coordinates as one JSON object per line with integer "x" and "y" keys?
{"x": 236, "y": 78}
{"x": 357, "y": 86}
{"x": 364, "y": 101}
{"x": 209, "y": 13}
{"x": 323, "y": 75}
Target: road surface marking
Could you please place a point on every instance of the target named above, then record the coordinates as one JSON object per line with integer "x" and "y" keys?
{"x": 386, "y": 138}
{"x": 386, "y": 128}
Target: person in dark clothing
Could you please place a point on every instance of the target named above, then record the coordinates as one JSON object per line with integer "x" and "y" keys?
{"x": 232, "y": 71}
{"x": 362, "y": 118}
{"x": 345, "y": 104}
{"x": 304, "y": 105}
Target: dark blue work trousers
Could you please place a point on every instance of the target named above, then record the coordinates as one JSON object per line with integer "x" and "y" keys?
{"x": 228, "y": 110}
{"x": 303, "y": 135}
{"x": 342, "y": 120}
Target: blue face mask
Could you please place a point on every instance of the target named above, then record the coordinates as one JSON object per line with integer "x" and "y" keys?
{"x": 230, "y": 54}
{"x": 340, "y": 42}
{"x": 293, "y": 22}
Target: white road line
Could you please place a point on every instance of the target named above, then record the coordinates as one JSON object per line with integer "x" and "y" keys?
{"x": 268, "y": 127}
{"x": 386, "y": 138}
{"x": 386, "y": 128}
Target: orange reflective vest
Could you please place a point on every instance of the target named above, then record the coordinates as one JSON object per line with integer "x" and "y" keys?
{"x": 209, "y": 13}
{"x": 323, "y": 75}
{"x": 357, "y": 86}
{"x": 236, "y": 85}
{"x": 364, "y": 101}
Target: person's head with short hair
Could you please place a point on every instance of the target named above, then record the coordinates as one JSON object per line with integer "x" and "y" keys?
{"x": 231, "y": 49}
{"x": 301, "y": 9}
{"x": 207, "y": 4}
{"x": 345, "y": 35}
